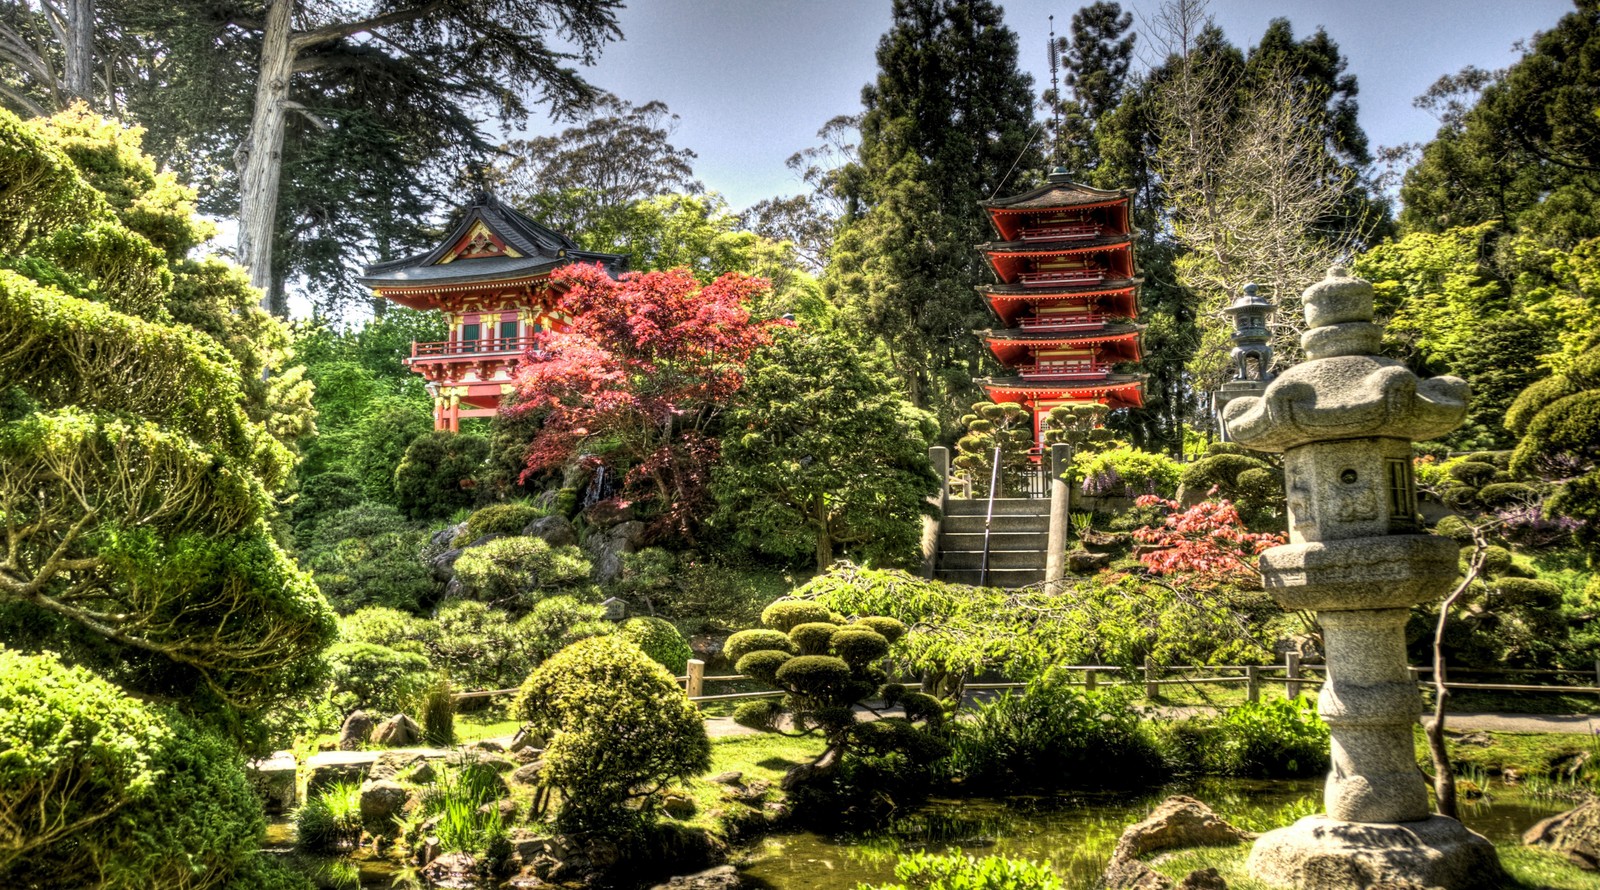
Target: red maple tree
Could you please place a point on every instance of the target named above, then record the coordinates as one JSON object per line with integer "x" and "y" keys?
{"x": 636, "y": 381}
{"x": 1206, "y": 543}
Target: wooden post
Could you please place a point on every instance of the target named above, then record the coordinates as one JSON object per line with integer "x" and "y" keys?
{"x": 1597, "y": 672}
{"x": 1252, "y": 682}
{"x": 1089, "y": 680}
{"x": 696, "y": 685}
{"x": 1149, "y": 677}
{"x": 1291, "y": 668}
{"x": 1055, "y": 555}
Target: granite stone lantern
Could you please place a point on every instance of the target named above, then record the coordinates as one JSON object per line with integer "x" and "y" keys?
{"x": 1344, "y": 420}
{"x": 1251, "y": 354}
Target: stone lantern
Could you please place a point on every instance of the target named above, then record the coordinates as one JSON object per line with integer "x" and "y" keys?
{"x": 1251, "y": 354}
{"x": 1344, "y": 420}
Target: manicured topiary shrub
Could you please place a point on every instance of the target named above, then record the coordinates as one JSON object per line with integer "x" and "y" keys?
{"x": 1499, "y": 495}
{"x": 1472, "y": 473}
{"x": 891, "y": 629}
{"x": 1496, "y": 560}
{"x": 1454, "y": 527}
{"x": 763, "y": 665}
{"x": 438, "y": 474}
{"x": 813, "y": 637}
{"x": 375, "y": 679}
{"x": 1460, "y": 497}
{"x": 1529, "y": 593}
{"x": 784, "y": 614}
{"x": 102, "y": 790}
{"x": 746, "y": 641}
{"x": 499, "y": 519}
{"x": 619, "y": 728}
{"x": 859, "y": 647}
{"x": 515, "y": 573}
{"x": 659, "y": 640}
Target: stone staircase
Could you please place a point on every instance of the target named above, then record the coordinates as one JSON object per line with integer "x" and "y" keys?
{"x": 1017, "y": 541}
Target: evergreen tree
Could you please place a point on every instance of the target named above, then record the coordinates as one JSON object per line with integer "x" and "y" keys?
{"x": 1095, "y": 63}
{"x": 946, "y": 125}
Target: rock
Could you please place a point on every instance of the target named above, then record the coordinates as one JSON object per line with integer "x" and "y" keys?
{"x": 528, "y": 755}
{"x": 1083, "y": 562}
{"x": 424, "y": 774}
{"x": 707, "y": 646}
{"x": 1203, "y": 879}
{"x": 381, "y": 801}
{"x": 524, "y": 739}
{"x": 751, "y": 793}
{"x": 1177, "y": 822}
{"x": 607, "y": 513}
{"x": 1318, "y": 853}
{"x": 506, "y": 807}
{"x": 731, "y": 777}
{"x": 431, "y": 847}
{"x": 1477, "y": 739}
{"x": 529, "y": 773}
{"x": 356, "y": 730}
{"x": 444, "y": 536}
{"x": 328, "y": 768}
{"x": 723, "y": 877}
{"x": 555, "y": 530}
{"x": 679, "y": 806}
{"x": 605, "y": 548}
{"x": 443, "y": 566}
{"x": 397, "y": 732}
{"x": 490, "y": 745}
{"x": 452, "y": 871}
{"x": 1575, "y": 833}
{"x": 391, "y": 764}
{"x": 274, "y": 781}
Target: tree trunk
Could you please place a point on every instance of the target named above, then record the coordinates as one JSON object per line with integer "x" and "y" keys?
{"x": 260, "y": 159}
{"x": 80, "y": 50}
{"x": 824, "y": 541}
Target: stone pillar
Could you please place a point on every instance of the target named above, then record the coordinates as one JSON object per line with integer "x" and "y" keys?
{"x": 1344, "y": 420}
{"x": 1055, "y": 555}
{"x": 939, "y": 456}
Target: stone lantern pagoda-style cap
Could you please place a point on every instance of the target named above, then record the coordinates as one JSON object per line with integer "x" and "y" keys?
{"x": 1344, "y": 421}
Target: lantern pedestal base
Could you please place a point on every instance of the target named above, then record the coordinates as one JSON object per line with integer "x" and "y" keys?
{"x": 1318, "y": 853}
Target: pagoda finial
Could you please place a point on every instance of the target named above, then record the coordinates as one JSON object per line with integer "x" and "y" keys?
{"x": 1059, "y": 174}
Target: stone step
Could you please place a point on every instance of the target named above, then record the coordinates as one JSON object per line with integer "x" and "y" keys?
{"x": 1002, "y": 507}
{"x": 1010, "y": 578}
{"x": 966, "y": 525}
{"x": 1019, "y": 540}
{"x": 998, "y": 559}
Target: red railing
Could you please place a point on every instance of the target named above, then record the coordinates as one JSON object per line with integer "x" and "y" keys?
{"x": 1065, "y": 371}
{"x": 1063, "y": 322}
{"x": 468, "y": 348}
{"x": 1065, "y": 276}
{"x": 1077, "y": 231}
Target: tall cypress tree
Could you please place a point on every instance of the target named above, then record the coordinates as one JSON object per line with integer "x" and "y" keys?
{"x": 947, "y": 123}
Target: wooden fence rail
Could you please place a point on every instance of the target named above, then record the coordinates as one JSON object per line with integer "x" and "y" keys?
{"x": 1252, "y": 676}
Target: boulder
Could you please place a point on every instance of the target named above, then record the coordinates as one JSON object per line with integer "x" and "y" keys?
{"x": 528, "y": 773}
{"x": 607, "y": 513}
{"x": 731, "y": 777}
{"x": 555, "y": 530}
{"x": 506, "y": 807}
{"x": 723, "y": 877}
{"x": 391, "y": 764}
{"x": 355, "y": 731}
{"x": 381, "y": 801}
{"x": 443, "y": 566}
{"x": 397, "y": 732}
{"x": 707, "y": 646}
{"x": 1084, "y": 562}
{"x": 330, "y": 767}
{"x": 1575, "y": 833}
{"x": 1203, "y": 879}
{"x": 528, "y": 755}
{"x": 451, "y": 871}
{"x": 1177, "y": 822}
{"x": 679, "y": 806}
{"x": 444, "y": 536}
{"x": 605, "y": 547}
{"x": 274, "y": 781}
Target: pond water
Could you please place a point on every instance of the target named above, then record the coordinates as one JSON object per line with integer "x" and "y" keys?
{"x": 1074, "y": 832}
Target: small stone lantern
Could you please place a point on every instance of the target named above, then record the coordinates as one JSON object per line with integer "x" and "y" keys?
{"x": 1251, "y": 354}
{"x": 1344, "y": 420}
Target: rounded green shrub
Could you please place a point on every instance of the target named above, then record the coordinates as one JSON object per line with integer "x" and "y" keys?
{"x": 1527, "y": 592}
{"x": 1054, "y": 735}
{"x": 374, "y": 678}
{"x": 438, "y": 474}
{"x": 1460, "y": 497}
{"x": 821, "y": 678}
{"x": 1273, "y": 740}
{"x": 1472, "y": 473}
{"x": 763, "y": 664}
{"x": 556, "y": 623}
{"x": 264, "y": 871}
{"x": 112, "y": 792}
{"x": 858, "y": 647}
{"x": 891, "y": 629}
{"x": 760, "y": 714}
{"x": 1497, "y": 459}
{"x": 784, "y": 614}
{"x": 515, "y": 573}
{"x": 813, "y": 637}
{"x": 1496, "y": 560}
{"x": 659, "y": 640}
{"x": 1454, "y": 527}
{"x": 1499, "y": 495}
{"x": 619, "y": 729}
{"x": 747, "y": 641}
{"x": 498, "y": 519}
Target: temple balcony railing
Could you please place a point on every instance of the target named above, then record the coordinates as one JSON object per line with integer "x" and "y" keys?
{"x": 1064, "y": 371}
{"x": 471, "y": 349}
{"x": 1063, "y": 322}
{"x": 1078, "y": 231}
{"x": 1065, "y": 276}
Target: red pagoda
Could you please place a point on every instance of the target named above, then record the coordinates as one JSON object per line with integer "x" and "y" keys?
{"x": 1067, "y": 296}
{"x": 490, "y": 276}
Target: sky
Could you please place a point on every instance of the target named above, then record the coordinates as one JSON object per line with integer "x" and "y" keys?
{"x": 753, "y": 80}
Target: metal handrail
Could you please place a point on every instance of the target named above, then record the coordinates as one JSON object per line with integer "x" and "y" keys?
{"x": 988, "y": 518}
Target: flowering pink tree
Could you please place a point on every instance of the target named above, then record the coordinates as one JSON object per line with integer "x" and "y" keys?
{"x": 637, "y": 381}
{"x": 1207, "y": 543}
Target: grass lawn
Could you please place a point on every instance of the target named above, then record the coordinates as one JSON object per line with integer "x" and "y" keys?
{"x": 766, "y": 757}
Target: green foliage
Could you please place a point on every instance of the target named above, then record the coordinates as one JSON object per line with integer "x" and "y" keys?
{"x": 858, "y": 647}
{"x": 783, "y": 615}
{"x": 619, "y": 729}
{"x": 1126, "y": 472}
{"x": 757, "y": 640}
{"x": 498, "y": 519}
{"x": 763, "y": 664}
{"x": 1454, "y": 527}
{"x": 1471, "y": 472}
{"x": 659, "y": 640}
{"x": 369, "y": 555}
{"x": 330, "y": 820}
{"x": 482, "y": 647}
{"x": 1531, "y": 593}
{"x": 102, "y": 787}
{"x": 375, "y": 679}
{"x": 890, "y": 629}
{"x": 461, "y": 801}
{"x": 439, "y": 714}
{"x": 1253, "y": 484}
{"x": 823, "y": 454}
{"x": 1054, "y": 736}
{"x": 954, "y": 870}
{"x": 1275, "y": 739}
{"x": 437, "y": 475}
{"x": 1081, "y": 426}
{"x": 387, "y": 627}
{"x": 515, "y": 573}
{"x": 1005, "y": 427}
{"x": 813, "y": 637}
{"x": 264, "y": 871}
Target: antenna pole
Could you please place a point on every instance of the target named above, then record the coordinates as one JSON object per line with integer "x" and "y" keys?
{"x": 1055, "y": 95}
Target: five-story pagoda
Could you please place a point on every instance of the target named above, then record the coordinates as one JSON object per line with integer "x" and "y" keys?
{"x": 1067, "y": 296}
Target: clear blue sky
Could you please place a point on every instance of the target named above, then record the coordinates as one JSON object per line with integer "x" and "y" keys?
{"x": 753, "y": 80}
